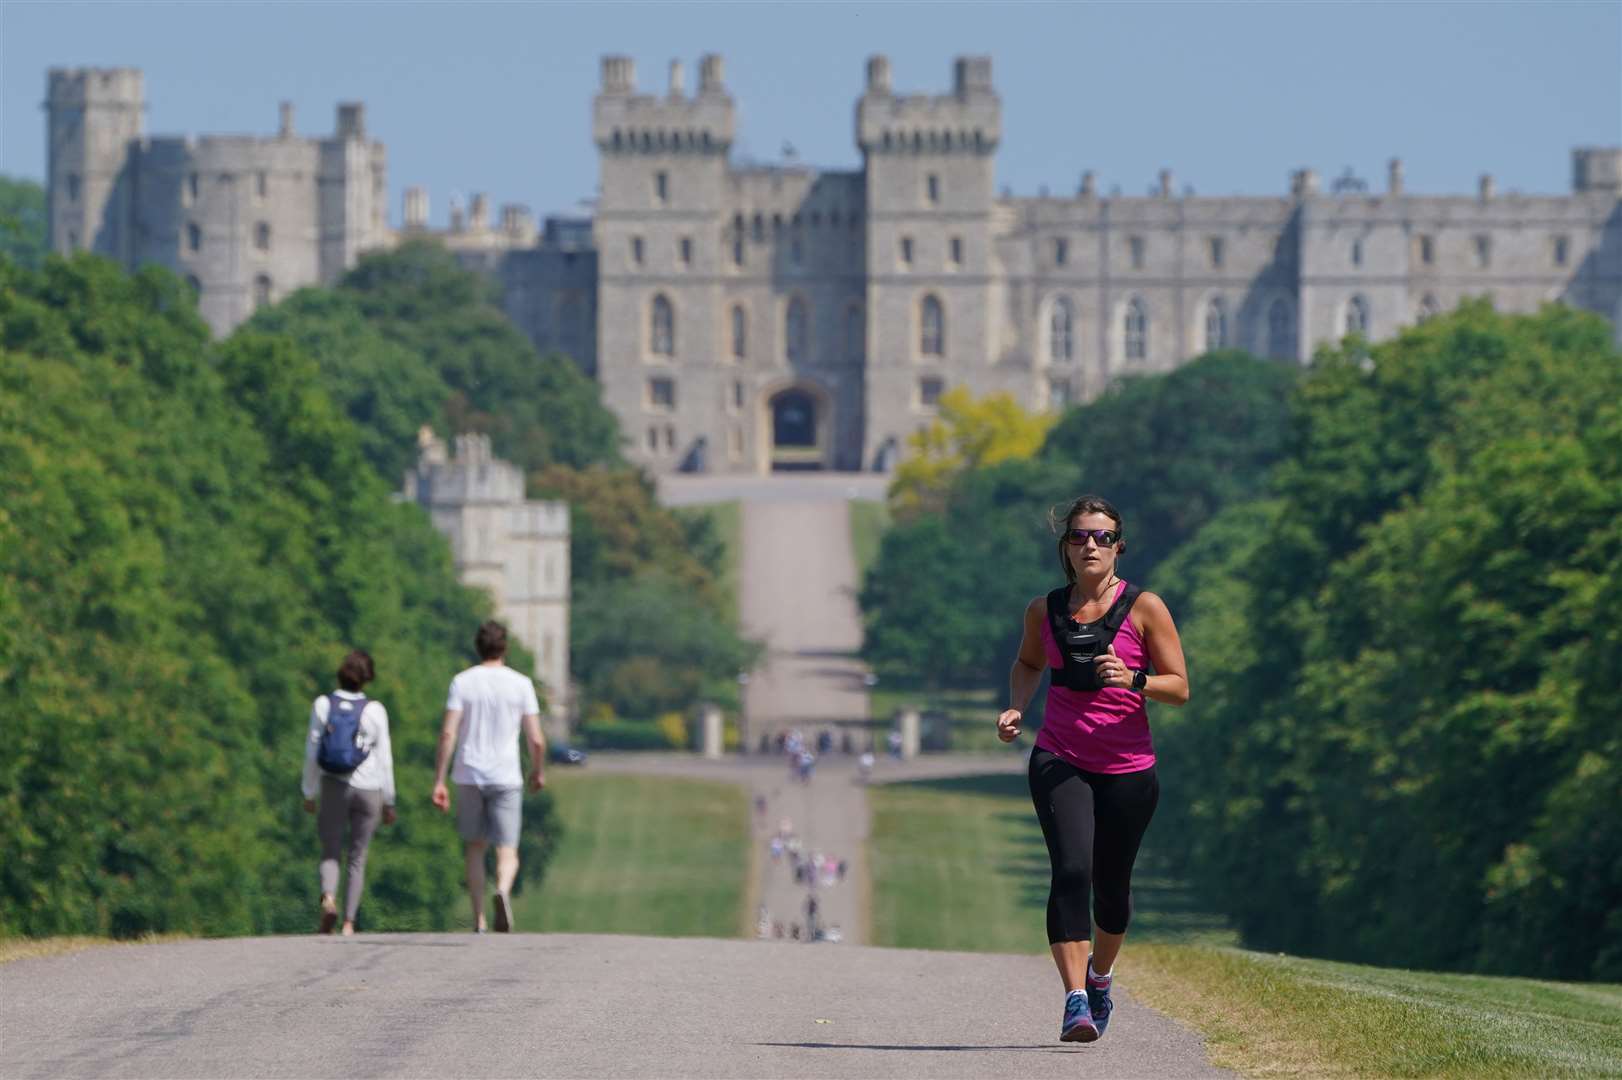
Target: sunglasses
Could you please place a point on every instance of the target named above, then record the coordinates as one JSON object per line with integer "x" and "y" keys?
{"x": 1101, "y": 537}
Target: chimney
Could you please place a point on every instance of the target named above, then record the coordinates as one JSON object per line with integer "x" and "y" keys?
{"x": 709, "y": 74}
{"x": 1165, "y": 183}
{"x": 1304, "y": 182}
{"x": 416, "y": 208}
{"x": 878, "y": 75}
{"x": 478, "y": 217}
{"x": 286, "y": 131}
{"x": 1394, "y": 176}
{"x": 1489, "y": 187}
{"x": 678, "y": 81}
{"x": 1089, "y": 185}
{"x": 619, "y": 75}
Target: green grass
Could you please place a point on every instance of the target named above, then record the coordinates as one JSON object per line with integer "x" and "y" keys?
{"x": 960, "y": 864}
{"x": 643, "y": 855}
{"x": 868, "y": 520}
{"x": 727, "y": 518}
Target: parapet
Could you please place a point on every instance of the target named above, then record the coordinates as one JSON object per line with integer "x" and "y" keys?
{"x": 968, "y": 120}
{"x": 351, "y": 120}
{"x": 94, "y": 86}
{"x": 1597, "y": 168}
{"x": 626, "y": 122}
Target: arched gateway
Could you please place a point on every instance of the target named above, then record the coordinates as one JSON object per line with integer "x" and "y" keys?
{"x": 797, "y": 421}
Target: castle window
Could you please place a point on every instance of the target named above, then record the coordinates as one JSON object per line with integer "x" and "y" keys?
{"x": 1135, "y": 331}
{"x": 906, "y": 251}
{"x": 737, "y": 250}
{"x": 794, "y": 331}
{"x": 194, "y": 237}
{"x": 1061, "y": 332}
{"x": 1216, "y": 325}
{"x": 653, "y": 439}
{"x": 662, "y": 393}
{"x": 1280, "y": 330}
{"x": 1134, "y": 246}
{"x": 1061, "y": 251}
{"x": 261, "y": 184}
{"x": 1429, "y": 308}
{"x": 636, "y": 250}
{"x": 1215, "y": 247}
{"x": 662, "y": 340}
{"x": 1357, "y": 316}
{"x": 661, "y": 188}
{"x": 1562, "y": 249}
{"x": 795, "y": 251}
{"x": 738, "y": 394}
{"x": 932, "y": 189}
{"x": 1357, "y": 253}
{"x": 955, "y": 251}
{"x": 929, "y": 392}
{"x": 261, "y": 236}
{"x": 261, "y": 291}
{"x": 777, "y": 224}
{"x": 740, "y": 331}
{"x": 758, "y": 229}
{"x": 73, "y": 187}
{"x": 1427, "y": 251}
{"x": 1483, "y": 251}
{"x": 684, "y": 250}
{"x": 855, "y": 333}
{"x": 188, "y": 192}
{"x": 670, "y": 437}
{"x": 193, "y": 284}
{"x": 1058, "y": 393}
{"x": 931, "y": 327}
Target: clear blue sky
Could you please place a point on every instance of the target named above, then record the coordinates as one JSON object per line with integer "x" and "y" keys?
{"x": 496, "y": 97}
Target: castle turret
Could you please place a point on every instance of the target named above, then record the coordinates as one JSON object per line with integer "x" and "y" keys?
{"x": 1597, "y": 168}
{"x": 94, "y": 115}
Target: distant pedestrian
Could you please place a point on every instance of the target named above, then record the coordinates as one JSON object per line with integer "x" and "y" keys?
{"x": 843, "y": 866}
{"x": 864, "y": 766}
{"x": 349, "y": 777}
{"x": 1092, "y": 773}
{"x": 487, "y": 706}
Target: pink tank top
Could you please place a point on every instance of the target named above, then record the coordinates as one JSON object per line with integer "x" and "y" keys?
{"x": 1101, "y": 731}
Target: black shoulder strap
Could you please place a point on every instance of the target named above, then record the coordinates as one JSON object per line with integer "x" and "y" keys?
{"x": 1057, "y": 605}
{"x": 1115, "y": 617}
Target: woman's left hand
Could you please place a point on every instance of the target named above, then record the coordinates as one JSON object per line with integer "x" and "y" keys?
{"x": 1112, "y": 670}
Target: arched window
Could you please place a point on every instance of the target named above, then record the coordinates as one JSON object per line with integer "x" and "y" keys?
{"x": 261, "y": 236}
{"x": 740, "y": 333}
{"x": 1357, "y": 253}
{"x": 194, "y": 238}
{"x": 794, "y": 330}
{"x": 931, "y": 327}
{"x": 855, "y": 333}
{"x": 1061, "y": 332}
{"x": 1280, "y": 330}
{"x": 1429, "y": 308}
{"x": 261, "y": 290}
{"x": 1357, "y": 316}
{"x": 662, "y": 341}
{"x": 1216, "y": 325}
{"x": 1135, "y": 331}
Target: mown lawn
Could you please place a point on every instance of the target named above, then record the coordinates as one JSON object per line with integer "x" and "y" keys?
{"x": 960, "y": 864}
{"x": 868, "y": 520}
{"x": 643, "y": 855}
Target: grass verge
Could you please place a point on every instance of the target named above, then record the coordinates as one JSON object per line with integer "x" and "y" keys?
{"x": 643, "y": 855}
{"x": 868, "y": 520}
{"x": 33, "y": 948}
{"x": 960, "y": 864}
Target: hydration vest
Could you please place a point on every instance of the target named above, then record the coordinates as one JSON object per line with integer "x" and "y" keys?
{"x": 1079, "y": 642}
{"x": 340, "y": 751}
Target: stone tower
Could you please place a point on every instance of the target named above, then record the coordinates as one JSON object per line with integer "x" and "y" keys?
{"x": 93, "y": 117}
{"x": 929, "y": 162}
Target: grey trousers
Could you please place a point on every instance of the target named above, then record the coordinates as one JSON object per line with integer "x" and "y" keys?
{"x": 362, "y": 811}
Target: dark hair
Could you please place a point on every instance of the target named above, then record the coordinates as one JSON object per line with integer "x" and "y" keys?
{"x": 491, "y": 640}
{"x": 1087, "y": 504}
{"x": 356, "y": 670}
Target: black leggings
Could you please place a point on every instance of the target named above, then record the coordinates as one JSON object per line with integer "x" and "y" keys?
{"x": 1093, "y": 823}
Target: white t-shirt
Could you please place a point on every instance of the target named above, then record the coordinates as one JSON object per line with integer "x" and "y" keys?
{"x": 376, "y": 773}
{"x": 493, "y": 702}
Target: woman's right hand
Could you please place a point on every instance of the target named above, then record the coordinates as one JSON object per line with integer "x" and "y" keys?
{"x": 441, "y": 796}
{"x": 1008, "y": 725}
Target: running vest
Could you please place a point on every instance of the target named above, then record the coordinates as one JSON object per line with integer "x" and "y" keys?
{"x": 1078, "y": 643}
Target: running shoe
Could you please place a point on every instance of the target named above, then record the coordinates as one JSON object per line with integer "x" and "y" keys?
{"x": 329, "y": 914}
{"x": 1078, "y": 1023}
{"x": 504, "y": 922}
{"x": 1099, "y": 1004}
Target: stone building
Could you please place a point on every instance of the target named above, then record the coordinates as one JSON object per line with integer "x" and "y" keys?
{"x": 745, "y": 317}
{"x": 515, "y": 548}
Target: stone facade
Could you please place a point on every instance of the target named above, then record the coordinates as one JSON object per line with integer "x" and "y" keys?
{"x": 515, "y": 548}
{"x": 742, "y": 317}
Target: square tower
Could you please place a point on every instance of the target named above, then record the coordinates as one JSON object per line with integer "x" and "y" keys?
{"x": 93, "y": 117}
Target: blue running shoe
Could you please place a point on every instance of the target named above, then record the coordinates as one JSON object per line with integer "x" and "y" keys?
{"x": 1078, "y": 1023}
{"x": 1099, "y": 1004}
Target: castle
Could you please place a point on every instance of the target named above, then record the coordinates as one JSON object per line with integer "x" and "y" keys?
{"x": 746, "y": 318}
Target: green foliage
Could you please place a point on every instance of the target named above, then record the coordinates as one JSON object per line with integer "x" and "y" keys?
{"x": 190, "y": 538}
{"x": 970, "y": 433}
{"x": 1403, "y": 716}
{"x": 24, "y": 231}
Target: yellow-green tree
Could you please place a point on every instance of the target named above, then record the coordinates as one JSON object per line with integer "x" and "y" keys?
{"x": 969, "y": 433}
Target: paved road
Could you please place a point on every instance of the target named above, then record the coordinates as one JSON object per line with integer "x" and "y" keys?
{"x": 437, "y": 1005}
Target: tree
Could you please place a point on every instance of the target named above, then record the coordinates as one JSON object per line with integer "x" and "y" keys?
{"x": 969, "y": 433}
{"x": 23, "y": 228}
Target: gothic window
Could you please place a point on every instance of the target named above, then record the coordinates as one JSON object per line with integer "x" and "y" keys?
{"x": 855, "y": 333}
{"x": 636, "y": 250}
{"x": 1134, "y": 331}
{"x": 189, "y": 192}
{"x": 1483, "y": 251}
{"x": 1216, "y": 325}
{"x": 796, "y": 253}
{"x": 906, "y": 251}
{"x": 261, "y": 184}
{"x": 794, "y": 331}
{"x": 1061, "y": 251}
{"x": 662, "y": 393}
{"x": 261, "y": 236}
{"x": 929, "y": 392}
{"x": 1061, "y": 332}
{"x": 737, "y": 250}
{"x": 1218, "y": 252}
{"x": 1429, "y": 308}
{"x": 1562, "y": 250}
{"x": 738, "y": 395}
{"x": 933, "y": 189}
{"x": 1357, "y": 253}
{"x": 1427, "y": 251}
{"x": 931, "y": 327}
{"x": 757, "y": 229}
{"x": 661, "y": 187}
{"x": 261, "y": 291}
{"x": 194, "y": 237}
{"x": 653, "y": 438}
{"x": 740, "y": 333}
{"x": 73, "y": 187}
{"x": 1280, "y": 330}
{"x": 1134, "y": 245}
{"x": 1357, "y": 316}
{"x": 662, "y": 341}
{"x": 684, "y": 250}
{"x": 955, "y": 250}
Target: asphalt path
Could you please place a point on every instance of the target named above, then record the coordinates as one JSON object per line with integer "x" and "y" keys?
{"x": 444, "y": 1005}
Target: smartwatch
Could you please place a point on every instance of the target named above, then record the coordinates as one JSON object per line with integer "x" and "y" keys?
{"x": 1140, "y": 679}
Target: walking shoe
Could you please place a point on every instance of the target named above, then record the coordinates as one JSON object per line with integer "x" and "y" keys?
{"x": 1099, "y": 1003}
{"x": 1078, "y": 1023}
{"x": 504, "y": 922}
{"x": 329, "y": 914}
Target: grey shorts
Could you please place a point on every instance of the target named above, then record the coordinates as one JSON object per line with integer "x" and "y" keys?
{"x": 491, "y": 814}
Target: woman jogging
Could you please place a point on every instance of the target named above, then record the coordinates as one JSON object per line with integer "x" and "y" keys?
{"x": 349, "y": 764}
{"x": 1092, "y": 772}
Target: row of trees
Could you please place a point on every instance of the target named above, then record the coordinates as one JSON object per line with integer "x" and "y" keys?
{"x": 1398, "y": 577}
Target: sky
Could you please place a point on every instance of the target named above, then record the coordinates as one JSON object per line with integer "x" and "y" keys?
{"x": 496, "y": 97}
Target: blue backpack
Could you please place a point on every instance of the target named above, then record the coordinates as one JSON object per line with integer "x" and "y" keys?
{"x": 340, "y": 751}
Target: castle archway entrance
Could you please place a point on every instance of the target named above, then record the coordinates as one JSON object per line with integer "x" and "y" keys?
{"x": 798, "y": 429}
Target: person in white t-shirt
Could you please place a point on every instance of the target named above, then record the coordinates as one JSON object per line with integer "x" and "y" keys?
{"x": 487, "y": 707}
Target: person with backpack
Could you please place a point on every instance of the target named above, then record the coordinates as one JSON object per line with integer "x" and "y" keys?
{"x": 1108, "y": 647}
{"x": 349, "y": 764}
{"x": 488, "y": 705}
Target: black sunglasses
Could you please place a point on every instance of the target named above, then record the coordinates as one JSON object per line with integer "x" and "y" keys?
{"x": 1101, "y": 537}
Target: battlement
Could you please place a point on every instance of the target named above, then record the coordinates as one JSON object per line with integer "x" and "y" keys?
{"x": 70, "y": 87}
{"x": 473, "y": 475}
{"x": 966, "y": 121}
{"x": 626, "y": 122}
{"x": 1597, "y": 168}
